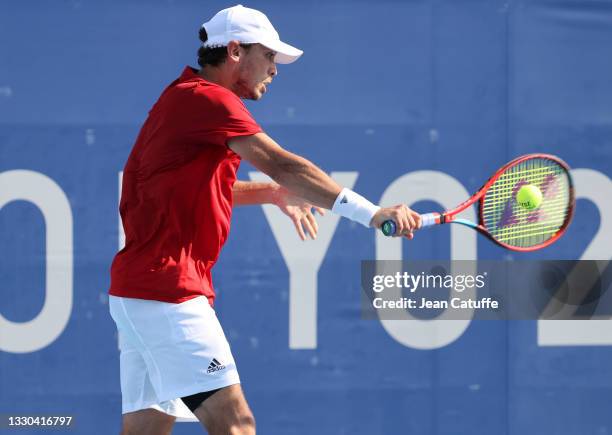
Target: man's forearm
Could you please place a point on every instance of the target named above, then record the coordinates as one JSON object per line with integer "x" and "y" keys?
{"x": 306, "y": 180}
{"x": 293, "y": 172}
{"x": 253, "y": 193}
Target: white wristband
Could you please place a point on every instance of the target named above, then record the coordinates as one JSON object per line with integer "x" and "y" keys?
{"x": 355, "y": 207}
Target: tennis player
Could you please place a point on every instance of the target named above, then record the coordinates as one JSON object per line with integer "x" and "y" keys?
{"x": 179, "y": 187}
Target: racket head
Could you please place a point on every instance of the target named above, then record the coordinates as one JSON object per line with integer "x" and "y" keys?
{"x": 508, "y": 224}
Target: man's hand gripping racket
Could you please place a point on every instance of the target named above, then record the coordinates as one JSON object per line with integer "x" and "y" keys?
{"x": 404, "y": 220}
{"x": 526, "y": 205}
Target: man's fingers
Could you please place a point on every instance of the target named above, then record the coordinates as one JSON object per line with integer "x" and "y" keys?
{"x": 419, "y": 221}
{"x": 412, "y": 222}
{"x": 313, "y": 221}
{"x": 298, "y": 228}
{"x": 403, "y": 226}
{"x": 320, "y": 210}
{"x": 309, "y": 227}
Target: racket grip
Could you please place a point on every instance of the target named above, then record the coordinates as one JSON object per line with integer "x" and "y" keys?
{"x": 427, "y": 220}
{"x": 388, "y": 228}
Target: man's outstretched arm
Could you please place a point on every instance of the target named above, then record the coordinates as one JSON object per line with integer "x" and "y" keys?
{"x": 253, "y": 193}
{"x": 308, "y": 181}
{"x": 291, "y": 171}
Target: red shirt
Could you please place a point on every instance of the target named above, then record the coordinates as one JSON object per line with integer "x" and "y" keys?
{"x": 176, "y": 201}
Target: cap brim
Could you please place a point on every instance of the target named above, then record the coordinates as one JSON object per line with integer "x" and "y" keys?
{"x": 285, "y": 53}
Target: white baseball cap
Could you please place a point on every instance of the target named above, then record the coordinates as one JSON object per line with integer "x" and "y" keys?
{"x": 248, "y": 26}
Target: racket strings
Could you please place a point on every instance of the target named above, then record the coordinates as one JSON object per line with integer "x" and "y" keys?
{"x": 500, "y": 192}
{"x": 559, "y": 204}
{"x": 514, "y": 225}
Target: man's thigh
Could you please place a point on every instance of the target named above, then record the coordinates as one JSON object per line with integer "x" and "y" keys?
{"x": 147, "y": 421}
{"x": 225, "y": 408}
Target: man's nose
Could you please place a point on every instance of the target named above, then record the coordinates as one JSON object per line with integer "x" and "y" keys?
{"x": 273, "y": 70}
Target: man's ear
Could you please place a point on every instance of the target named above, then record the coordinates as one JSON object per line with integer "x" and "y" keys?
{"x": 233, "y": 51}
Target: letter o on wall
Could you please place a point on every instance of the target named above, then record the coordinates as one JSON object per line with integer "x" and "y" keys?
{"x": 49, "y": 198}
{"x": 446, "y": 190}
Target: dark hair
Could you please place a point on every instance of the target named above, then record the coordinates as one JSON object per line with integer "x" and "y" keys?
{"x": 213, "y": 56}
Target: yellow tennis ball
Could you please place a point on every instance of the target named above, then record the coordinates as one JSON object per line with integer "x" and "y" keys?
{"x": 529, "y": 197}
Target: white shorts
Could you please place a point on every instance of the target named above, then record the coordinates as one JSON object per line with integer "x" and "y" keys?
{"x": 169, "y": 351}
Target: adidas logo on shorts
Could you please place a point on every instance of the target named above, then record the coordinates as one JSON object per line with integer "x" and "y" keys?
{"x": 215, "y": 366}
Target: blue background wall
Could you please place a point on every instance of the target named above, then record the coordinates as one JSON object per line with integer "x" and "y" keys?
{"x": 384, "y": 89}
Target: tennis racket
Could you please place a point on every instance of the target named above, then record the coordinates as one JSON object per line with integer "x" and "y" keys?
{"x": 502, "y": 219}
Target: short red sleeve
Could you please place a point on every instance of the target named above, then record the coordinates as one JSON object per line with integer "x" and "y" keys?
{"x": 226, "y": 115}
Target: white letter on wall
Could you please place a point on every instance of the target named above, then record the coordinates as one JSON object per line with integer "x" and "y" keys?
{"x": 303, "y": 261}
{"x": 595, "y": 187}
{"x": 44, "y": 193}
{"x": 448, "y": 192}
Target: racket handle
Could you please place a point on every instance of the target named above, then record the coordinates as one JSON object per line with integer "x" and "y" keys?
{"x": 388, "y": 228}
{"x": 427, "y": 220}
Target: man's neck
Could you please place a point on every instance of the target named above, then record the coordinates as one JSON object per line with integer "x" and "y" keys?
{"x": 216, "y": 76}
